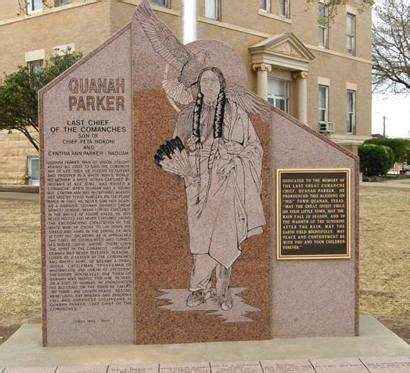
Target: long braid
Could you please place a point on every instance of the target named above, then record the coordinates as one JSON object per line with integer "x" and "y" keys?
{"x": 196, "y": 131}
{"x": 219, "y": 115}
{"x": 218, "y": 127}
{"x": 196, "y": 124}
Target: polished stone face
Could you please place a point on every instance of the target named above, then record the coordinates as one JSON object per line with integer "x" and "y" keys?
{"x": 159, "y": 203}
{"x": 87, "y": 201}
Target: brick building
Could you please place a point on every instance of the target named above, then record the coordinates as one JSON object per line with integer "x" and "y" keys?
{"x": 318, "y": 71}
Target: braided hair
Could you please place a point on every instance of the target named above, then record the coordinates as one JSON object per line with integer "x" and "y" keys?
{"x": 217, "y": 125}
{"x": 218, "y": 117}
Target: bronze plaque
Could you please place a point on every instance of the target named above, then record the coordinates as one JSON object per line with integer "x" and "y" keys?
{"x": 313, "y": 214}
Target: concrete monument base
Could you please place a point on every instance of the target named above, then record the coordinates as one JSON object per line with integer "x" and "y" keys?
{"x": 24, "y": 349}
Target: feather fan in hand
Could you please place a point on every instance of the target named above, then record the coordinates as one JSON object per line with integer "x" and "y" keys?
{"x": 173, "y": 158}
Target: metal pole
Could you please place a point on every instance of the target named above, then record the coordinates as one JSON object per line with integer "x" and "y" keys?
{"x": 189, "y": 17}
{"x": 384, "y": 126}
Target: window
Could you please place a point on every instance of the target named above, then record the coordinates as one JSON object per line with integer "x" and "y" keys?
{"x": 323, "y": 104}
{"x": 33, "y": 168}
{"x": 351, "y": 111}
{"x": 284, "y": 8}
{"x": 213, "y": 9}
{"x": 278, "y": 94}
{"x": 35, "y": 66}
{"x": 61, "y": 2}
{"x": 34, "y": 6}
{"x": 265, "y": 5}
{"x": 323, "y": 25}
{"x": 164, "y": 3}
{"x": 351, "y": 33}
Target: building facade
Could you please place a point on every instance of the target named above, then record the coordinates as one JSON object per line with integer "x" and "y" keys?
{"x": 315, "y": 68}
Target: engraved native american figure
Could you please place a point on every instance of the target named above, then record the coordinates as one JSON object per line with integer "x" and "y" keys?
{"x": 216, "y": 150}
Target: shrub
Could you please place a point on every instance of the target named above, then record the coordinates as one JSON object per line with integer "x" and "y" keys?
{"x": 400, "y": 147}
{"x": 375, "y": 160}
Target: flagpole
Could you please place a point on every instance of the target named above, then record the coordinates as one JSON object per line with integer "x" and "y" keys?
{"x": 189, "y": 18}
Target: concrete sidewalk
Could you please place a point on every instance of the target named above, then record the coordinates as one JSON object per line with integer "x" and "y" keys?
{"x": 24, "y": 349}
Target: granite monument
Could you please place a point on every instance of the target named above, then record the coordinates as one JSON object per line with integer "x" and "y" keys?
{"x": 177, "y": 206}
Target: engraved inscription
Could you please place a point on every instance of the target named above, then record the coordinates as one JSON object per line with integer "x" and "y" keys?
{"x": 88, "y": 173}
{"x": 89, "y": 233}
{"x": 313, "y": 213}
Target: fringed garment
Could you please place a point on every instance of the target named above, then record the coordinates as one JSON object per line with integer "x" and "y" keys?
{"x": 223, "y": 211}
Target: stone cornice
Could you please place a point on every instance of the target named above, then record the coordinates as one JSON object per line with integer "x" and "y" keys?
{"x": 348, "y": 139}
{"x": 339, "y": 54}
{"x": 264, "y": 13}
{"x": 262, "y": 67}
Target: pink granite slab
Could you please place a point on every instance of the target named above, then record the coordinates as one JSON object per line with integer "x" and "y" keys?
{"x": 83, "y": 312}
{"x": 163, "y": 257}
{"x": 314, "y": 297}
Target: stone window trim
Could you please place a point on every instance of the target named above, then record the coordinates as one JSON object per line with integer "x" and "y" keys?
{"x": 263, "y": 13}
{"x": 351, "y": 9}
{"x": 35, "y": 55}
{"x": 60, "y": 50}
{"x": 35, "y": 60}
{"x": 323, "y": 81}
{"x": 351, "y": 86}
